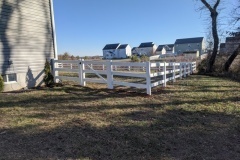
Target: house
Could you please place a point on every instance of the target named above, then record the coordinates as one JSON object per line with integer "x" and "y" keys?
{"x": 124, "y": 51}
{"x": 165, "y": 49}
{"x": 190, "y": 44}
{"x": 27, "y": 39}
{"x": 222, "y": 49}
{"x": 147, "y": 48}
{"x": 135, "y": 51}
{"x": 110, "y": 51}
{"x": 161, "y": 50}
{"x": 231, "y": 44}
{"x": 191, "y": 55}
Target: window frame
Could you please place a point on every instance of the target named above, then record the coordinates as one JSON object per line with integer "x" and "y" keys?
{"x": 7, "y": 78}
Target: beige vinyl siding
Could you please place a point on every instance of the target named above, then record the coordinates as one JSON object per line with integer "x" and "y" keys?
{"x": 26, "y": 36}
{"x": 26, "y": 40}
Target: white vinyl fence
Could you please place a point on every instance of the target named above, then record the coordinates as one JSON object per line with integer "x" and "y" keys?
{"x": 107, "y": 72}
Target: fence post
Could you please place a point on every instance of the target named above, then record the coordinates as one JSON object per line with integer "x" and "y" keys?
{"x": 81, "y": 73}
{"x": 103, "y": 67}
{"x": 174, "y": 72}
{"x": 189, "y": 68}
{"x": 148, "y": 78}
{"x": 191, "y": 71}
{"x": 180, "y": 73}
{"x": 184, "y": 71}
{"x": 109, "y": 75}
{"x": 164, "y": 76}
{"x": 129, "y": 68}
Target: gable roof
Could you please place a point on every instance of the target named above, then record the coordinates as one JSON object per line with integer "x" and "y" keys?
{"x": 111, "y": 46}
{"x": 168, "y": 47}
{"x": 189, "y": 40}
{"x": 146, "y": 44}
{"x": 122, "y": 46}
{"x": 134, "y": 48}
{"x": 232, "y": 39}
{"x": 160, "y": 47}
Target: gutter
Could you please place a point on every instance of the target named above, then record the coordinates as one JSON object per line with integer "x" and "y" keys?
{"x": 54, "y": 31}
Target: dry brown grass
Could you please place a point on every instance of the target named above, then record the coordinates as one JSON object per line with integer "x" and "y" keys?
{"x": 196, "y": 118}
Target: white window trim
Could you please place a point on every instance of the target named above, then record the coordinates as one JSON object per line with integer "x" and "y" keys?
{"x": 10, "y": 82}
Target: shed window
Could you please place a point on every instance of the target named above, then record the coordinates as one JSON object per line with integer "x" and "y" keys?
{"x": 10, "y": 78}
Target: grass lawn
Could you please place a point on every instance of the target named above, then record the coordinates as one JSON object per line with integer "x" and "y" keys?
{"x": 194, "y": 118}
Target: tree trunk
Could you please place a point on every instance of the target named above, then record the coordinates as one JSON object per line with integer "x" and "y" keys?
{"x": 231, "y": 59}
{"x": 216, "y": 42}
{"x": 214, "y": 14}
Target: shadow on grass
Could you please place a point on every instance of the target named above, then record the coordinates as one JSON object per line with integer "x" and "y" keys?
{"x": 175, "y": 134}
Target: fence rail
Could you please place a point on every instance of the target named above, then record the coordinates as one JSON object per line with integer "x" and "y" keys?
{"x": 153, "y": 74}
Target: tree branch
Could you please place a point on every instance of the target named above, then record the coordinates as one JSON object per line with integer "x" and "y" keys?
{"x": 207, "y": 5}
{"x": 216, "y": 4}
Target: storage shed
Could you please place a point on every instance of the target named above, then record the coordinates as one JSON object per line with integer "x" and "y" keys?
{"x": 27, "y": 39}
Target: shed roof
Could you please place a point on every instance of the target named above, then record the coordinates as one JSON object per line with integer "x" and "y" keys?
{"x": 189, "y": 40}
{"x": 111, "y": 46}
{"x": 146, "y": 44}
{"x": 122, "y": 46}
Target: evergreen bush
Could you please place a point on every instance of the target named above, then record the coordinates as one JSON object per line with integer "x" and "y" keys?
{"x": 48, "y": 77}
{"x": 1, "y": 83}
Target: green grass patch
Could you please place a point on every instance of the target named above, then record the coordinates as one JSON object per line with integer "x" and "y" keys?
{"x": 194, "y": 118}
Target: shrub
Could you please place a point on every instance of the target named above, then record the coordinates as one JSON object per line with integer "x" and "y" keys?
{"x": 144, "y": 58}
{"x": 1, "y": 83}
{"x": 135, "y": 58}
{"x": 202, "y": 66}
{"x": 48, "y": 77}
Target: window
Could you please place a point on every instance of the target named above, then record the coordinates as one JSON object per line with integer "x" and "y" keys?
{"x": 10, "y": 78}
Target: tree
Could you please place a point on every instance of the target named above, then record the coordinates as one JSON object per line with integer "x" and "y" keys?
{"x": 231, "y": 58}
{"x": 72, "y": 57}
{"x": 65, "y": 56}
{"x": 77, "y": 57}
{"x": 236, "y": 19}
{"x": 213, "y": 14}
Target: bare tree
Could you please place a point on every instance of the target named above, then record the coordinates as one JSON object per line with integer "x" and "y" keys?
{"x": 236, "y": 19}
{"x": 213, "y": 14}
{"x": 231, "y": 58}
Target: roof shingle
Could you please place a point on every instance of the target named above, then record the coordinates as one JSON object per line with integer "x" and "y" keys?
{"x": 111, "y": 46}
{"x": 189, "y": 40}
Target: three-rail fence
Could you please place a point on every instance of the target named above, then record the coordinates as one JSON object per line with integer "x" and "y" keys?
{"x": 108, "y": 72}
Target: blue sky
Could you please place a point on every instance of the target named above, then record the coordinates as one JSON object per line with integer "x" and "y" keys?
{"x": 84, "y": 27}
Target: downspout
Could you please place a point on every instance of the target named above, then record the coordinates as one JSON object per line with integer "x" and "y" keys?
{"x": 54, "y": 31}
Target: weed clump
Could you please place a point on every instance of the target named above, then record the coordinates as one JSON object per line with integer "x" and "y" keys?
{"x": 135, "y": 58}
